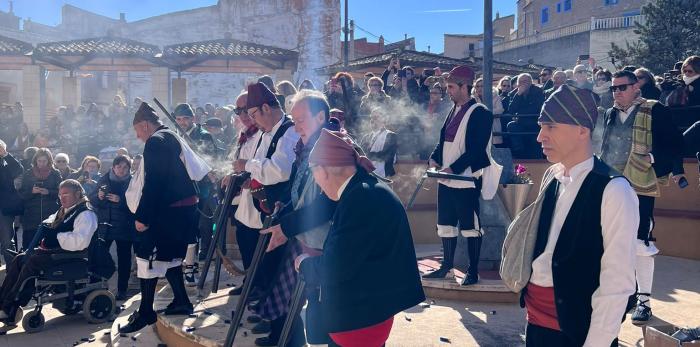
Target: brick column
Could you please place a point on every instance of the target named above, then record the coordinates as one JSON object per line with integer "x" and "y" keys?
{"x": 160, "y": 85}
{"x": 31, "y": 95}
{"x": 71, "y": 91}
{"x": 179, "y": 90}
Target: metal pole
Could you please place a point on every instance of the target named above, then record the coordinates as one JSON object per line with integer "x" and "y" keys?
{"x": 488, "y": 54}
{"x": 345, "y": 30}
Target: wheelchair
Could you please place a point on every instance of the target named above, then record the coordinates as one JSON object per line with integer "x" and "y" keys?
{"x": 70, "y": 288}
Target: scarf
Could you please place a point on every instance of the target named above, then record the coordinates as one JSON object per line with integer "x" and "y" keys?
{"x": 247, "y": 134}
{"x": 115, "y": 178}
{"x": 638, "y": 101}
{"x": 41, "y": 174}
{"x": 605, "y": 88}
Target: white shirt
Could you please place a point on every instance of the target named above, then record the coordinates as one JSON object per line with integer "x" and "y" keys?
{"x": 619, "y": 220}
{"x": 84, "y": 226}
{"x": 267, "y": 171}
{"x": 344, "y": 185}
{"x": 623, "y": 115}
{"x": 247, "y": 151}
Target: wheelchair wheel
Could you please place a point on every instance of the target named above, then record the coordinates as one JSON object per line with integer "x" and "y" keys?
{"x": 33, "y": 322}
{"x": 99, "y": 306}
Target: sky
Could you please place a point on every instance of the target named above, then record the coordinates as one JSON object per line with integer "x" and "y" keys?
{"x": 426, "y": 20}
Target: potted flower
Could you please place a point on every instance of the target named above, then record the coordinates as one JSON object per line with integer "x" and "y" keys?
{"x": 514, "y": 193}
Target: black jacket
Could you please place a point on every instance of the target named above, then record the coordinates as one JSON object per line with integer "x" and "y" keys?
{"x": 666, "y": 139}
{"x": 478, "y": 133}
{"x": 528, "y": 103}
{"x": 694, "y": 93}
{"x": 368, "y": 270}
{"x": 38, "y": 207}
{"x": 166, "y": 180}
{"x": 118, "y": 214}
{"x": 650, "y": 91}
{"x": 10, "y": 168}
{"x": 692, "y": 137}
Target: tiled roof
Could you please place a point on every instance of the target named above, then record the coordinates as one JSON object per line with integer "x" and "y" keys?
{"x": 99, "y": 45}
{"x": 422, "y": 59}
{"x": 10, "y": 46}
{"x": 226, "y": 48}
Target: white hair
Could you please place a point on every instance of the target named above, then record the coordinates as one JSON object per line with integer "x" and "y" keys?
{"x": 62, "y": 155}
{"x": 524, "y": 75}
{"x": 3, "y": 145}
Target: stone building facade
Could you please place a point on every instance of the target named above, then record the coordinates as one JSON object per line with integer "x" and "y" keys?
{"x": 310, "y": 27}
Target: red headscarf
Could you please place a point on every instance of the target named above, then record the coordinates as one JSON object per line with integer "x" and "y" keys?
{"x": 335, "y": 148}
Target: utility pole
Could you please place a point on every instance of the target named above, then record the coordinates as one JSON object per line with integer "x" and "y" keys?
{"x": 345, "y": 30}
{"x": 487, "y": 58}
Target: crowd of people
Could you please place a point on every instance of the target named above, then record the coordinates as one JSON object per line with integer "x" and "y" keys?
{"x": 324, "y": 154}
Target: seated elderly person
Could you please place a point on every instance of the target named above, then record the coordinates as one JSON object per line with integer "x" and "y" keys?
{"x": 70, "y": 229}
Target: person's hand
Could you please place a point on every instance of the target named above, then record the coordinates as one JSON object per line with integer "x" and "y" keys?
{"x": 299, "y": 259}
{"x": 212, "y": 176}
{"x": 113, "y": 198}
{"x": 100, "y": 195}
{"x": 446, "y": 170}
{"x": 44, "y": 191}
{"x": 36, "y": 190}
{"x": 276, "y": 239}
{"x": 225, "y": 181}
{"x": 433, "y": 164}
{"x": 246, "y": 184}
{"x": 239, "y": 165}
{"x": 140, "y": 227}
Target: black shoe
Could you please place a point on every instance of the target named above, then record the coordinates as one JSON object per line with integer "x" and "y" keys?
{"x": 253, "y": 318}
{"x": 641, "y": 314}
{"x": 470, "y": 279}
{"x": 177, "y": 309}
{"x": 261, "y": 328}
{"x": 439, "y": 273}
{"x": 137, "y": 322}
{"x": 121, "y": 296}
{"x": 265, "y": 341}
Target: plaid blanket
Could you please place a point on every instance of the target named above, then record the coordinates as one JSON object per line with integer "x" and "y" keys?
{"x": 276, "y": 303}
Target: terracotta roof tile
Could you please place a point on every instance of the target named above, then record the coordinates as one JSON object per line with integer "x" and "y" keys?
{"x": 10, "y": 46}
{"x": 226, "y": 48}
{"x": 100, "y": 45}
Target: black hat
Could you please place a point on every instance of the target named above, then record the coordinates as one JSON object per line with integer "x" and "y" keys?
{"x": 145, "y": 113}
{"x": 214, "y": 122}
{"x": 183, "y": 110}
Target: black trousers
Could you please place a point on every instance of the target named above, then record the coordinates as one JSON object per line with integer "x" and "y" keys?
{"x": 247, "y": 239}
{"x": 27, "y": 237}
{"x": 646, "y": 218}
{"x": 537, "y": 336}
{"x": 123, "y": 262}
{"x": 21, "y": 268}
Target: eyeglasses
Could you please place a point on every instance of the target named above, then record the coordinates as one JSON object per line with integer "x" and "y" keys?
{"x": 375, "y": 85}
{"x": 239, "y": 110}
{"x": 61, "y": 161}
{"x": 621, "y": 87}
{"x": 252, "y": 114}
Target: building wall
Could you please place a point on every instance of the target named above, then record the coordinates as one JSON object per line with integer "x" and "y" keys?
{"x": 567, "y": 50}
{"x": 457, "y": 46}
{"x": 601, "y": 44}
{"x": 530, "y": 13}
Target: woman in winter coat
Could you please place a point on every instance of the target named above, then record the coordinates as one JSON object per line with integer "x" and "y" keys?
{"x": 89, "y": 174}
{"x": 39, "y": 192}
{"x": 116, "y": 222}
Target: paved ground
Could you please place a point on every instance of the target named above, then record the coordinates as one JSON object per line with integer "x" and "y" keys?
{"x": 676, "y": 301}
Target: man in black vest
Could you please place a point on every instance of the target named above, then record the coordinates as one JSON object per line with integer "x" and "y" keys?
{"x": 270, "y": 170}
{"x": 70, "y": 229}
{"x": 166, "y": 215}
{"x": 464, "y": 139}
{"x": 583, "y": 261}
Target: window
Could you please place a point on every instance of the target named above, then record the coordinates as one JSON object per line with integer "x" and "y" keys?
{"x": 610, "y": 2}
{"x": 558, "y": 7}
{"x": 545, "y": 15}
{"x": 567, "y": 5}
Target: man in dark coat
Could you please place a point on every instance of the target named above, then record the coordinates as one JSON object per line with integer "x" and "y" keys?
{"x": 11, "y": 202}
{"x": 368, "y": 270}
{"x": 527, "y": 99}
{"x": 162, "y": 195}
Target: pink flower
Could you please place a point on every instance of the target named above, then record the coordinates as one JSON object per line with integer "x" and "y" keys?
{"x": 520, "y": 169}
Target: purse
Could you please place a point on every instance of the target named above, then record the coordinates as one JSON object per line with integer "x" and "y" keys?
{"x": 519, "y": 244}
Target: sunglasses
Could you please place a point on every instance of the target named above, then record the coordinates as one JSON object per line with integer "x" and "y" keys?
{"x": 621, "y": 87}
{"x": 239, "y": 110}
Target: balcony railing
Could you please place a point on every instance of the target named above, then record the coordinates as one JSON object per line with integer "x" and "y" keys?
{"x": 593, "y": 24}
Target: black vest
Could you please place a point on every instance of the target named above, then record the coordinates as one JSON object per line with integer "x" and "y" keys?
{"x": 50, "y": 240}
{"x": 577, "y": 255}
{"x": 279, "y": 191}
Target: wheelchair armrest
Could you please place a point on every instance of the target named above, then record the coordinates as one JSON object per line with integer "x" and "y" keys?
{"x": 69, "y": 255}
